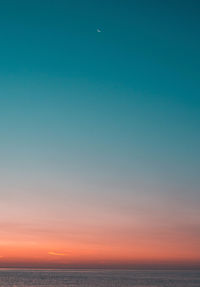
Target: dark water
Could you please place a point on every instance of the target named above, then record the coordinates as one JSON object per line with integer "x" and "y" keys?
{"x": 99, "y": 278}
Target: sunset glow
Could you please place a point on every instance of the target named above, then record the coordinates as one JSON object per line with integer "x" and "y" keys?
{"x": 99, "y": 128}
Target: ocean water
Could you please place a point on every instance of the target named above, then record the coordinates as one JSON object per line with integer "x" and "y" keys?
{"x": 98, "y": 278}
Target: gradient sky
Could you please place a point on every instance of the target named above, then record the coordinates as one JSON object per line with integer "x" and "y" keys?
{"x": 99, "y": 132}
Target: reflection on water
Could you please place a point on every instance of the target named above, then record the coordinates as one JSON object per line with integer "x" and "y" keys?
{"x": 99, "y": 278}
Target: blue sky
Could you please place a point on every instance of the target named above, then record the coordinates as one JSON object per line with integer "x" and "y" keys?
{"x": 132, "y": 89}
{"x": 101, "y": 112}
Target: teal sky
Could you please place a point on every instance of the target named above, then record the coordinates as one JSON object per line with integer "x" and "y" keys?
{"x": 113, "y": 116}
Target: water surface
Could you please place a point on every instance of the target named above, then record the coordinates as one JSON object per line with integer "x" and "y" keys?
{"x": 99, "y": 278}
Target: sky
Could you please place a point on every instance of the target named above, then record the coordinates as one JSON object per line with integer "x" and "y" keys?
{"x": 99, "y": 133}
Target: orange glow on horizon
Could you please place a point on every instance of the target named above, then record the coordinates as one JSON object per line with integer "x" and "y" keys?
{"x": 66, "y": 253}
{"x": 86, "y": 236}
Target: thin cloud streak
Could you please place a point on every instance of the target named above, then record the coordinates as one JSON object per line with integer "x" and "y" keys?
{"x": 56, "y": 254}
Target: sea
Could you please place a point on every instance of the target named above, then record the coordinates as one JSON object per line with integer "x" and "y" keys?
{"x": 99, "y": 278}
